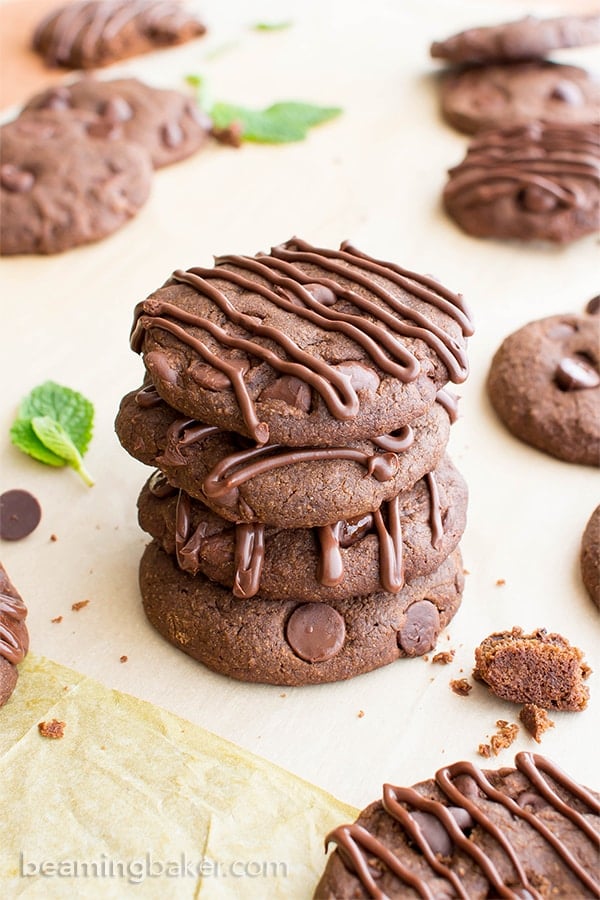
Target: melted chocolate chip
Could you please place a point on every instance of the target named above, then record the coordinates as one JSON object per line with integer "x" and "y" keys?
{"x": 291, "y": 390}
{"x": 104, "y": 128}
{"x": 117, "y": 109}
{"x": 567, "y": 92}
{"x": 315, "y": 632}
{"x": 536, "y": 200}
{"x": 593, "y": 306}
{"x": 421, "y": 627}
{"x": 361, "y": 377}
{"x": 531, "y": 800}
{"x": 159, "y": 486}
{"x": 562, "y": 330}
{"x": 20, "y": 514}
{"x": 16, "y": 180}
{"x": 213, "y": 379}
{"x": 434, "y": 831}
{"x": 576, "y": 374}
{"x": 321, "y": 294}
{"x": 158, "y": 365}
{"x": 172, "y": 134}
{"x": 354, "y": 530}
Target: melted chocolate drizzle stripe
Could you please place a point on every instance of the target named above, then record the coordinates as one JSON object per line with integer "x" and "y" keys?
{"x": 12, "y": 610}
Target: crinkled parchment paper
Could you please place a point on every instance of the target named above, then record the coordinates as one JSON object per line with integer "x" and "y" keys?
{"x": 134, "y": 801}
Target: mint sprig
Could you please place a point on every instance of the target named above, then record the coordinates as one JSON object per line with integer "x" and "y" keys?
{"x": 280, "y": 123}
{"x": 54, "y": 425}
{"x": 272, "y": 26}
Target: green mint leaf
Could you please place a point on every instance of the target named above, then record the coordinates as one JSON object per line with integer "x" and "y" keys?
{"x": 280, "y": 123}
{"x": 24, "y": 437}
{"x": 69, "y": 408}
{"x": 272, "y": 26}
{"x": 53, "y": 436}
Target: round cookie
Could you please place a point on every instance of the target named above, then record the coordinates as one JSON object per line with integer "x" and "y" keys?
{"x": 14, "y": 638}
{"x": 303, "y": 346}
{"x": 454, "y": 835}
{"x": 410, "y": 536}
{"x": 65, "y": 182}
{"x": 85, "y": 35}
{"x": 544, "y": 384}
{"x": 288, "y": 487}
{"x": 503, "y": 96}
{"x": 534, "y": 182}
{"x": 590, "y": 556}
{"x": 290, "y": 642}
{"x": 168, "y": 124}
{"x": 525, "y": 39}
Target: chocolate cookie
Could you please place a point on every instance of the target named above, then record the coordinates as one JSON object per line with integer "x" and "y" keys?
{"x": 538, "y": 668}
{"x": 590, "y": 556}
{"x": 544, "y": 383}
{"x": 297, "y": 487}
{"x": 534, "y": 182}
{"x": 14, "y": 638}
{"x": 302, "y": 346}
{"x": 290, "y": 642}
{"x": 531, "y": 831}
{"x": 410, "y": 535}
{"x": 503, "y": 96}
{"x": 86, "y": 35}
{"x": 168, "y": 124}
{"x": 525, "y": 39}
{"x": 64, "y": 181}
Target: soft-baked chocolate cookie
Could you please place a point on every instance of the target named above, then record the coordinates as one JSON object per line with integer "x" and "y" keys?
{"x": 168, "y": 124}
{"x": 525, "y": 39}
{"x": 303, "y": 346}
{"x": 544, "y": 384}
{"x": 296, "y": 487}
{"x": 534, "y": 182}
{"x": 503, "y": 96}
{"x": 291, "y": 642}
{"x": 14, "y": 638}
{"x": 590, "y": 556}
{"x": 524, "y": 832}
{"x": 539, "y": 668}
{"x": 410, "y": 535}
{"x": 85, "y": 35}
{"x": 65, "y": 181}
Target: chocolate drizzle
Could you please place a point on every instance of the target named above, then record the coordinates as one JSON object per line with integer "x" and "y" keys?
{"x": 461, "y": 784}
{"x": 376, "y": 327}
{"x": 13, "y": 612}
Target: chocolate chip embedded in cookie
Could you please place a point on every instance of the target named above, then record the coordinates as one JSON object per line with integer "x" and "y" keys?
{"x": 529, "y": 831}
{"x": 67, "y": 178}
{"x": 408, "y": 536}
{"x": 85, "y": 35}
{"x": 14, "y": 638}
{"x": 168, "y": 124}
{"x": 590, "y": 556}
{"x": 535, "y": 182}
{"x": 538, "y": 668}
{"x": 291, "y": 642}
{"x": 544, "y": 383}
{"x": 303, "y": 346}
{"x": 525, "y": 39}
{"x": 274, "y": 484}
{"x": 500, "y": 96}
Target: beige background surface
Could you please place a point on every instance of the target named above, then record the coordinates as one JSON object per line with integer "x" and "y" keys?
{"x": 373, "y": 176}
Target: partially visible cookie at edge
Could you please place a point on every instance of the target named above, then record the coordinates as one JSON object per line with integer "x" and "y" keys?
{"x": 14, "y": 637}
{"x": 65, "y": 180}
{"x": 590, "y": 556}
{"x": 525, "y": 39}
{"x": 544, "y": 384}
{"x": 86, "y": 35}
{"x": 167, "y": 123}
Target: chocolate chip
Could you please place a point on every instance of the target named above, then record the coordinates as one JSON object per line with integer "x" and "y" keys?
{"x": 567, "y": 92}
{"x": 421, "y": 627}
{"x": 20, "y": 514}
{"x": 593, "y": 306}
{"x": 536, "y": 200}
{"x": 16, "y": 180}
{"x": 353, "y": 530}
{"x": 576, "y": 374}
{"x": 117, "y": 109}
{"x": 315, "y": 632}
{"x": 467, "y": 786}
{"x": 159, "y": 486}
{"x": 321, "y": 293}
{"x": 172, "y": 134}
{"x": 435, "y": 832}
{"x": 530, "y": 800}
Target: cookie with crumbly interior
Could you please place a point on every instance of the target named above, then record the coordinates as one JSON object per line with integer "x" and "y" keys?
{"x": 590, "y": 556}
{"x": 408, "y": 536}
{"x": 65, "y": 180}
{"x": 14, "y": 637}
{"x": 289, "y": 642}
{"x": 502, "y": 96}
{"x": 167, "y": 123}
{"x": 302, "y": 346}
{"x": 525, "y": 39}
{"x": 544, "y": 384}
{"x": 93, "y": 33}
{"x": 297, "y": 487}
{"x": 535, "y": 182}
{"x": 525, "y": 831}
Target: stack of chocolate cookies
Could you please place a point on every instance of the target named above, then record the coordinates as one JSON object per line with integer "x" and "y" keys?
{"x": 305, "y": 515}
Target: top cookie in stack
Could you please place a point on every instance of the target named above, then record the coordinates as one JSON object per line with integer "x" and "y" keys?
{"x": 297, "y": 390}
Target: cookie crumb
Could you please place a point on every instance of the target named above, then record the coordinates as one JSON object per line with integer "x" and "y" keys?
{"x": 466, "y": 572}
{"x": 53, "y": 538}
{"x": 283, "y": 695}
{"x": 503, "y": 738}
{"x": 123, "y": 658}
{"x": 484, "y": 750}
{"x": 361, "y": 713}
{"x": 536, "y": 721}
{"x": 57, "y": 619}
{"x": 461, "y": 686}
{"x": 53, "y": 729}
{"x": 79, "y": 605}
{"x": 500, "y": 582}
{"x": 443, "y": 658}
